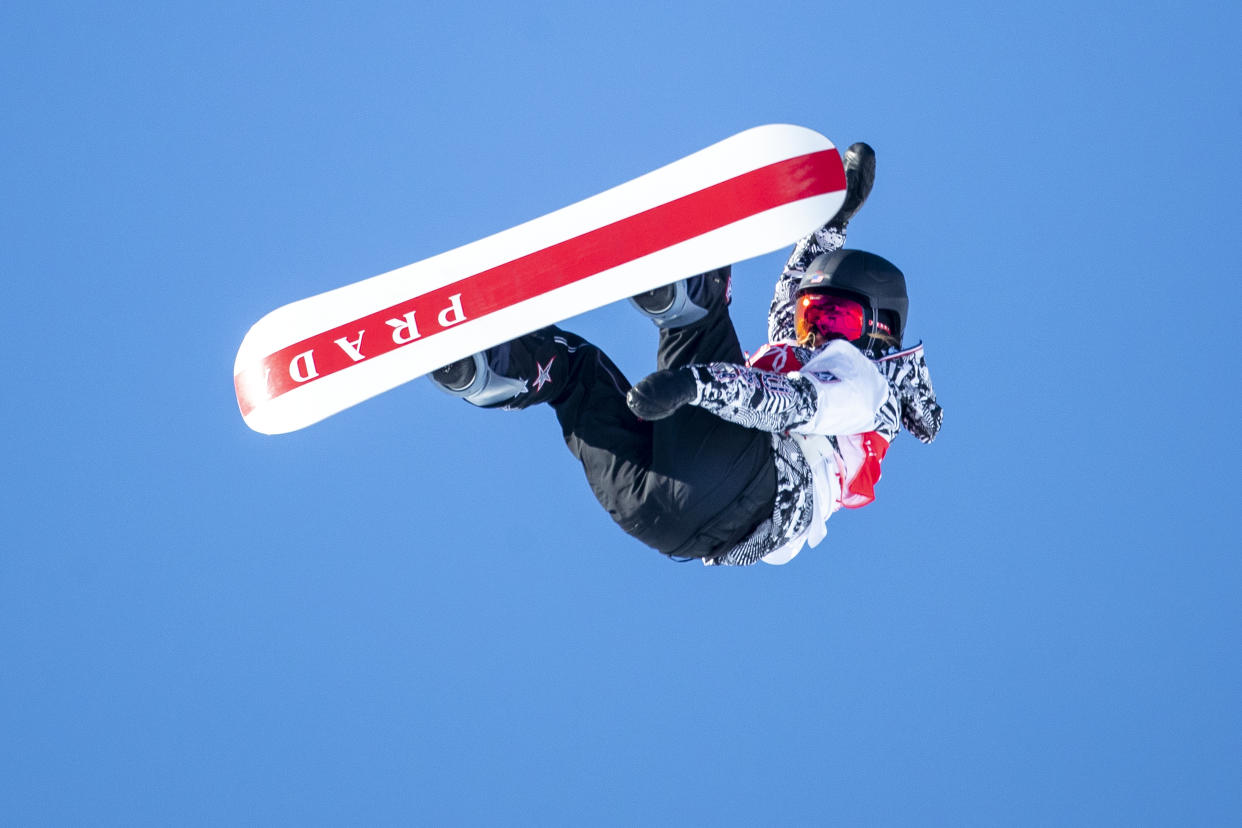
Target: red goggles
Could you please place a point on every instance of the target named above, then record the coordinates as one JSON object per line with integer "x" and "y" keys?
{"x": 831, "y": 317}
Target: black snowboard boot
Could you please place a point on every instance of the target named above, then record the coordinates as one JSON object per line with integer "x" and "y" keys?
{"x": 687, "y": 301}
{"x": 859, "y": 162}
{"x": 531, "y": 369}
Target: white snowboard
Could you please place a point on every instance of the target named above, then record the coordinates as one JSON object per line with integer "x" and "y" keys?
{"x": 746, "y": 196}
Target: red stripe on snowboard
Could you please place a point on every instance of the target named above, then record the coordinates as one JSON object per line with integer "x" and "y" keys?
{"x": 545, "y": 270}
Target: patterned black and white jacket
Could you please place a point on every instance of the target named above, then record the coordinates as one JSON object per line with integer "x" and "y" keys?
{"x": 832, "y": 413}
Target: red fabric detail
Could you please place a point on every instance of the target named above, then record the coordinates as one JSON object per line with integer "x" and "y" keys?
{"x": 777, "y": 358}
{"x": 859, "y": 489}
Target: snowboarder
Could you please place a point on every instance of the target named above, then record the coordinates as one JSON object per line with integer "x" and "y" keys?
{"x": 718, "y": 457}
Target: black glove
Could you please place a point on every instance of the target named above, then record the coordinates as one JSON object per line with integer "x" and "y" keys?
{"x": 662, "y": 393}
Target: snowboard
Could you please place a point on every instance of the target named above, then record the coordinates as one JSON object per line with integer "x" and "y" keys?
{"x": 743, "y": 197}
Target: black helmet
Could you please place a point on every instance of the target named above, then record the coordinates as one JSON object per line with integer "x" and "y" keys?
{"x": 873, "y": 281}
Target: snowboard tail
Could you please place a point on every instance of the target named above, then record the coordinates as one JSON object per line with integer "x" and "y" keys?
{"x": 746, "y": 196}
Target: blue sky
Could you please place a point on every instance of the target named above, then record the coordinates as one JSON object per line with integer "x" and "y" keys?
{"x": 415, "y": 612}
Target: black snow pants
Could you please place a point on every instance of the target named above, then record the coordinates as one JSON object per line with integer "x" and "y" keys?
{"x": 691, "y": 485}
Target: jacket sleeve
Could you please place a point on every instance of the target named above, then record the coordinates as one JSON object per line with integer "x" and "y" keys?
{"x": 837, "y": 392}
{"x": 911, "y": 386}
{"x": 752, "y": 397}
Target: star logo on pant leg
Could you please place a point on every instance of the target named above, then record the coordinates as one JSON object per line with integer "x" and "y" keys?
{"x": 544, "y": 374}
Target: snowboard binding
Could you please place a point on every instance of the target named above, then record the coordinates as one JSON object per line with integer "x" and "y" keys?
{"x": 535, "y": 368}
{"x": 686, "y": 301}
{"x": 474, "y": 381}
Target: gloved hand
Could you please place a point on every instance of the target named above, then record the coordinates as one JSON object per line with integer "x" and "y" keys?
{"x": 659, "y": 395}
{"x": 907, "y": 377}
